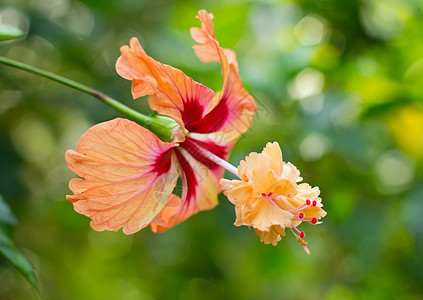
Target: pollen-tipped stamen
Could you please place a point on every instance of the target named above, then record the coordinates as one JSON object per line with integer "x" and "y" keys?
{"x": 300, "y": 240}
{"x": 312, "y": 221}
{"x": 297, "y": 230}
{"x": 307, "y": 204}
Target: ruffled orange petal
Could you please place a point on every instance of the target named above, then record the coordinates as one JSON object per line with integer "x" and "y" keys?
{"x": 127, "y": 175}
{"x": 234, "y": 109}
{"x": 269, "y": 159}
{"x": 262, "y": 214}
{"x": 208, "y": 49}
{"x": 237, "y": 191}
{"x": 273, "y": 236}
{"x": 140, "y": 87}
{"x": 172, "y": 93}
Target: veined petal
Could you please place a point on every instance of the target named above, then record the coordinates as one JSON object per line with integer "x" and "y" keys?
{"x": 199, "y": 184}
{"x": 199, "y": 192}
{"x": 172, "y": 93}
{"x": 234, "y": 109}
{"x": 196, "y": 149}
{"x": 127, "y": 175}
{"x": 208, "y": 49}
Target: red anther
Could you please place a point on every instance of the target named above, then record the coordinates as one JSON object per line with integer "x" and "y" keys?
{"x": 302, "y": 234}
{"x": 313, "y": 221}
{"x": 270, "y": 194}
{"x": 263, "y": 194}
{"x": 314, "y": 203}
{"x": 308, "y": 202}
{"x": 300, "y": 215}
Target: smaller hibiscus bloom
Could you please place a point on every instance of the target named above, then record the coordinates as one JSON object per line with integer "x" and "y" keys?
{"x": 270, "y": 198}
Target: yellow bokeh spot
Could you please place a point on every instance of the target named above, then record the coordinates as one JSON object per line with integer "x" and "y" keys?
{"x": 406, "y": 125}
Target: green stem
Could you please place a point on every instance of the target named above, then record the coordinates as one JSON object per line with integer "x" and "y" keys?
{"x": 161, "y": 128}
{"x": 136, "y": 116}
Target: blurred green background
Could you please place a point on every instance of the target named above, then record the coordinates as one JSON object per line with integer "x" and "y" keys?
{"x": 339, "y": 86}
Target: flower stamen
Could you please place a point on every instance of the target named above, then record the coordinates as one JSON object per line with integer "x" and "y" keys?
{"x": 300, "y": 239}
{"x": 307, "y": 204}
{"x": 301, "y": 215}
{"x": 301, "y": 233}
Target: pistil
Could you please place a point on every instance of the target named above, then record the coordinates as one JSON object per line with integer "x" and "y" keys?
{"x": 217, "y": 160}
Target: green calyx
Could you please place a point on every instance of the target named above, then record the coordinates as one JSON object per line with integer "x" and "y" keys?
{"x": 162, "y": 126}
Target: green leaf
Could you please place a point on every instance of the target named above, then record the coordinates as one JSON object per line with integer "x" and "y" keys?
{"x": 9, "y": 32}
{"x": 8, "y": 248}
{"x": 6, "y": 214}
{"x": 9, "y": 251}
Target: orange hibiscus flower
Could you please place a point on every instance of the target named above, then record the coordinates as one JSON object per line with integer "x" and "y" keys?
{"x": 270, "y": 198}
{"x": 128, "y": 174}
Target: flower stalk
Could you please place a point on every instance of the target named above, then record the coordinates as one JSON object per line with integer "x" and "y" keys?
{"x": 160, "y": 125}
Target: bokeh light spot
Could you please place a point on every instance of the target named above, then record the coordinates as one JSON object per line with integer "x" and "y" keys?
{"x": 307, "y": 83}
{"x": 310, "y": 30}
{"x": 395, "y": 171}
{"x": 313, "y": 147}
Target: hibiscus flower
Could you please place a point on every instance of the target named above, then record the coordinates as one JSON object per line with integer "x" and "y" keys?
{"x": 128, "y": 174}
{"x": 270, "y": 198}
